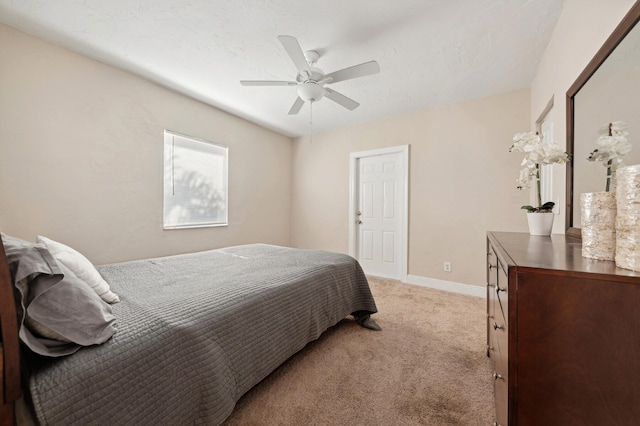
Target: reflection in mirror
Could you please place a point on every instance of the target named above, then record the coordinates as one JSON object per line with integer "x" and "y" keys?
{"x": 611, "y": 94}
{"x": 606, "y": 91}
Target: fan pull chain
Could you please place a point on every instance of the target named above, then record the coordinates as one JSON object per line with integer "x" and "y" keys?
{"x": 310, "y": 122}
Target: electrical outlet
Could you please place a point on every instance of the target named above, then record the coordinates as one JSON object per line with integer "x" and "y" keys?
{"x": 447, "y": 266}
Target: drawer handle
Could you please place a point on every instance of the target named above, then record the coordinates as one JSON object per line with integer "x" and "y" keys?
{"x": 497, "y": 376}
{"x": 491, "y": 285}
{"x": 490, "y": 316}
{"x": 496, "y": 326}
{"x": 499, "y": 289}
{"x": 492, "y": 266}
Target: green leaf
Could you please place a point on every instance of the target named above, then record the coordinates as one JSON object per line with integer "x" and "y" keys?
{"x": 528, "y": 208}
{"x": 548, "y": 205}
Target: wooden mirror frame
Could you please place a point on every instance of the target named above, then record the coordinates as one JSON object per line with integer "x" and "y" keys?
{"x": 626, "y": 25}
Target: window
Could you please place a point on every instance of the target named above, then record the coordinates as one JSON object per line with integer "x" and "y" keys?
{"x": 195, "y": 182}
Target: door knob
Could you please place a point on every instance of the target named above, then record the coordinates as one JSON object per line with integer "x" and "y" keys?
{"x": 358, "y": 222}
{"x": 359, "y": 213}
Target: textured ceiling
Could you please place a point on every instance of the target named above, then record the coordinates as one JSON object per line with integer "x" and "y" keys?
{"x": 431, "y": 52}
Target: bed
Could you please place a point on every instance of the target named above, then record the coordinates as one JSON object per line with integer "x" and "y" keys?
{"x": 189, "y": 336}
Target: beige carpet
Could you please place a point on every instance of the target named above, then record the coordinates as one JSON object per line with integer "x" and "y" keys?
{"x": 426, "y": 367}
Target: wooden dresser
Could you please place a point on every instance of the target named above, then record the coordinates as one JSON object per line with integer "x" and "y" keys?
{"x": 563, "y": 334}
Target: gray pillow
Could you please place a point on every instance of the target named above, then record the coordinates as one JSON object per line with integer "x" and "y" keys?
{"x": 26, "y": 260}
{"x": 57, "y": 312}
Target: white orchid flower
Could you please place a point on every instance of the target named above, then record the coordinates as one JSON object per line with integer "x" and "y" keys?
{"x": 523, "y": 142}
{"x": 613, "y": 146}
{"x": 618, "y": 128}
{"x": 553, "y": 154}
{"x": 536, "y": 153}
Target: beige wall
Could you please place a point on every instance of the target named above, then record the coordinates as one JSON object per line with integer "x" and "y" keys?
{"x": 462, "y": 182}
{"x": 81, "y": 158}
{"x": 582, "y": 29}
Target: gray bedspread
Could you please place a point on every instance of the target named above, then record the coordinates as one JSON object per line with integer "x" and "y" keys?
{"x": 197, "y": 331}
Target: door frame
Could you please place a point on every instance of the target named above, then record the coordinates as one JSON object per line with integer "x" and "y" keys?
{"x": 403, "y": 150}
{"x": 546, "y": 171}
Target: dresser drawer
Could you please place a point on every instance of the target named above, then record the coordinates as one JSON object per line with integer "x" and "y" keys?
{"x": 500, "y": 378}
{"x": 502, "y": 290}
{"x": 499, "y": 323}
{"x": 500, "y": 338}
{"x": 500, "y": 387}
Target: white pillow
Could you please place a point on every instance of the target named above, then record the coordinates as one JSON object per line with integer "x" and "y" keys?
{"x": 81, "y": 267}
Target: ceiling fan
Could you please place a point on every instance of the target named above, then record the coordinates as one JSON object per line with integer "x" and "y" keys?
{"x": 312, "y": 81}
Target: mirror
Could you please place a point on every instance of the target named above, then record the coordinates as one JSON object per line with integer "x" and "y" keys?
{"x": 607, "y": 90}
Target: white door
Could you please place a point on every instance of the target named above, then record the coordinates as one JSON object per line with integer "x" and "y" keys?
{"x": 379, "y": 216}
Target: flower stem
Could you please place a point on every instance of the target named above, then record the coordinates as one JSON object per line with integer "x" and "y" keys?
{"x": 609, "y": 163}
{"x": 538, "y": 184}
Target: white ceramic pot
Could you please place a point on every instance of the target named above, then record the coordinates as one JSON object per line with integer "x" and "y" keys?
{"x": 598, "y": 225}
{"x": 628, "y": 218}
{"x": 540, "y": 223}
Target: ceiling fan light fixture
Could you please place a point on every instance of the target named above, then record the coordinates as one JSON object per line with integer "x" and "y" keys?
{"x": 310, "y": 91}
{"x": 311, "y": 81}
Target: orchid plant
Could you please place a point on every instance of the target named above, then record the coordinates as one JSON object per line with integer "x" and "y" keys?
{"x": 612, "y": 148}
{"x": 536, "y": 153}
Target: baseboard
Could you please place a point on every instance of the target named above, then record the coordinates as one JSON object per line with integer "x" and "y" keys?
{"x": 469, "y": 290}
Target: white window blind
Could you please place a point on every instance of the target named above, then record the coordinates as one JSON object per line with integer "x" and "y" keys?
{"x": 195, "y": 182}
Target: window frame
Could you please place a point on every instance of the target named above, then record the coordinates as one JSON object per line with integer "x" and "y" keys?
{"x": 168, "y": 176}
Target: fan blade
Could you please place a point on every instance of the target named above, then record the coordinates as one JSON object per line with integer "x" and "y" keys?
{"x": 355, "y": 71}
{"x": 295, "y": 52}
{"x": 297, "y": 105}
{"x": 267, "y": 83}
{"x": 341, "y": 99}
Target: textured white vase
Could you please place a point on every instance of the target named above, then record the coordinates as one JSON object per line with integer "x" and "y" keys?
{"x": 598, "y": 225}
{"x": 628, "y": 218}
{"x": 540, "y": 223}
